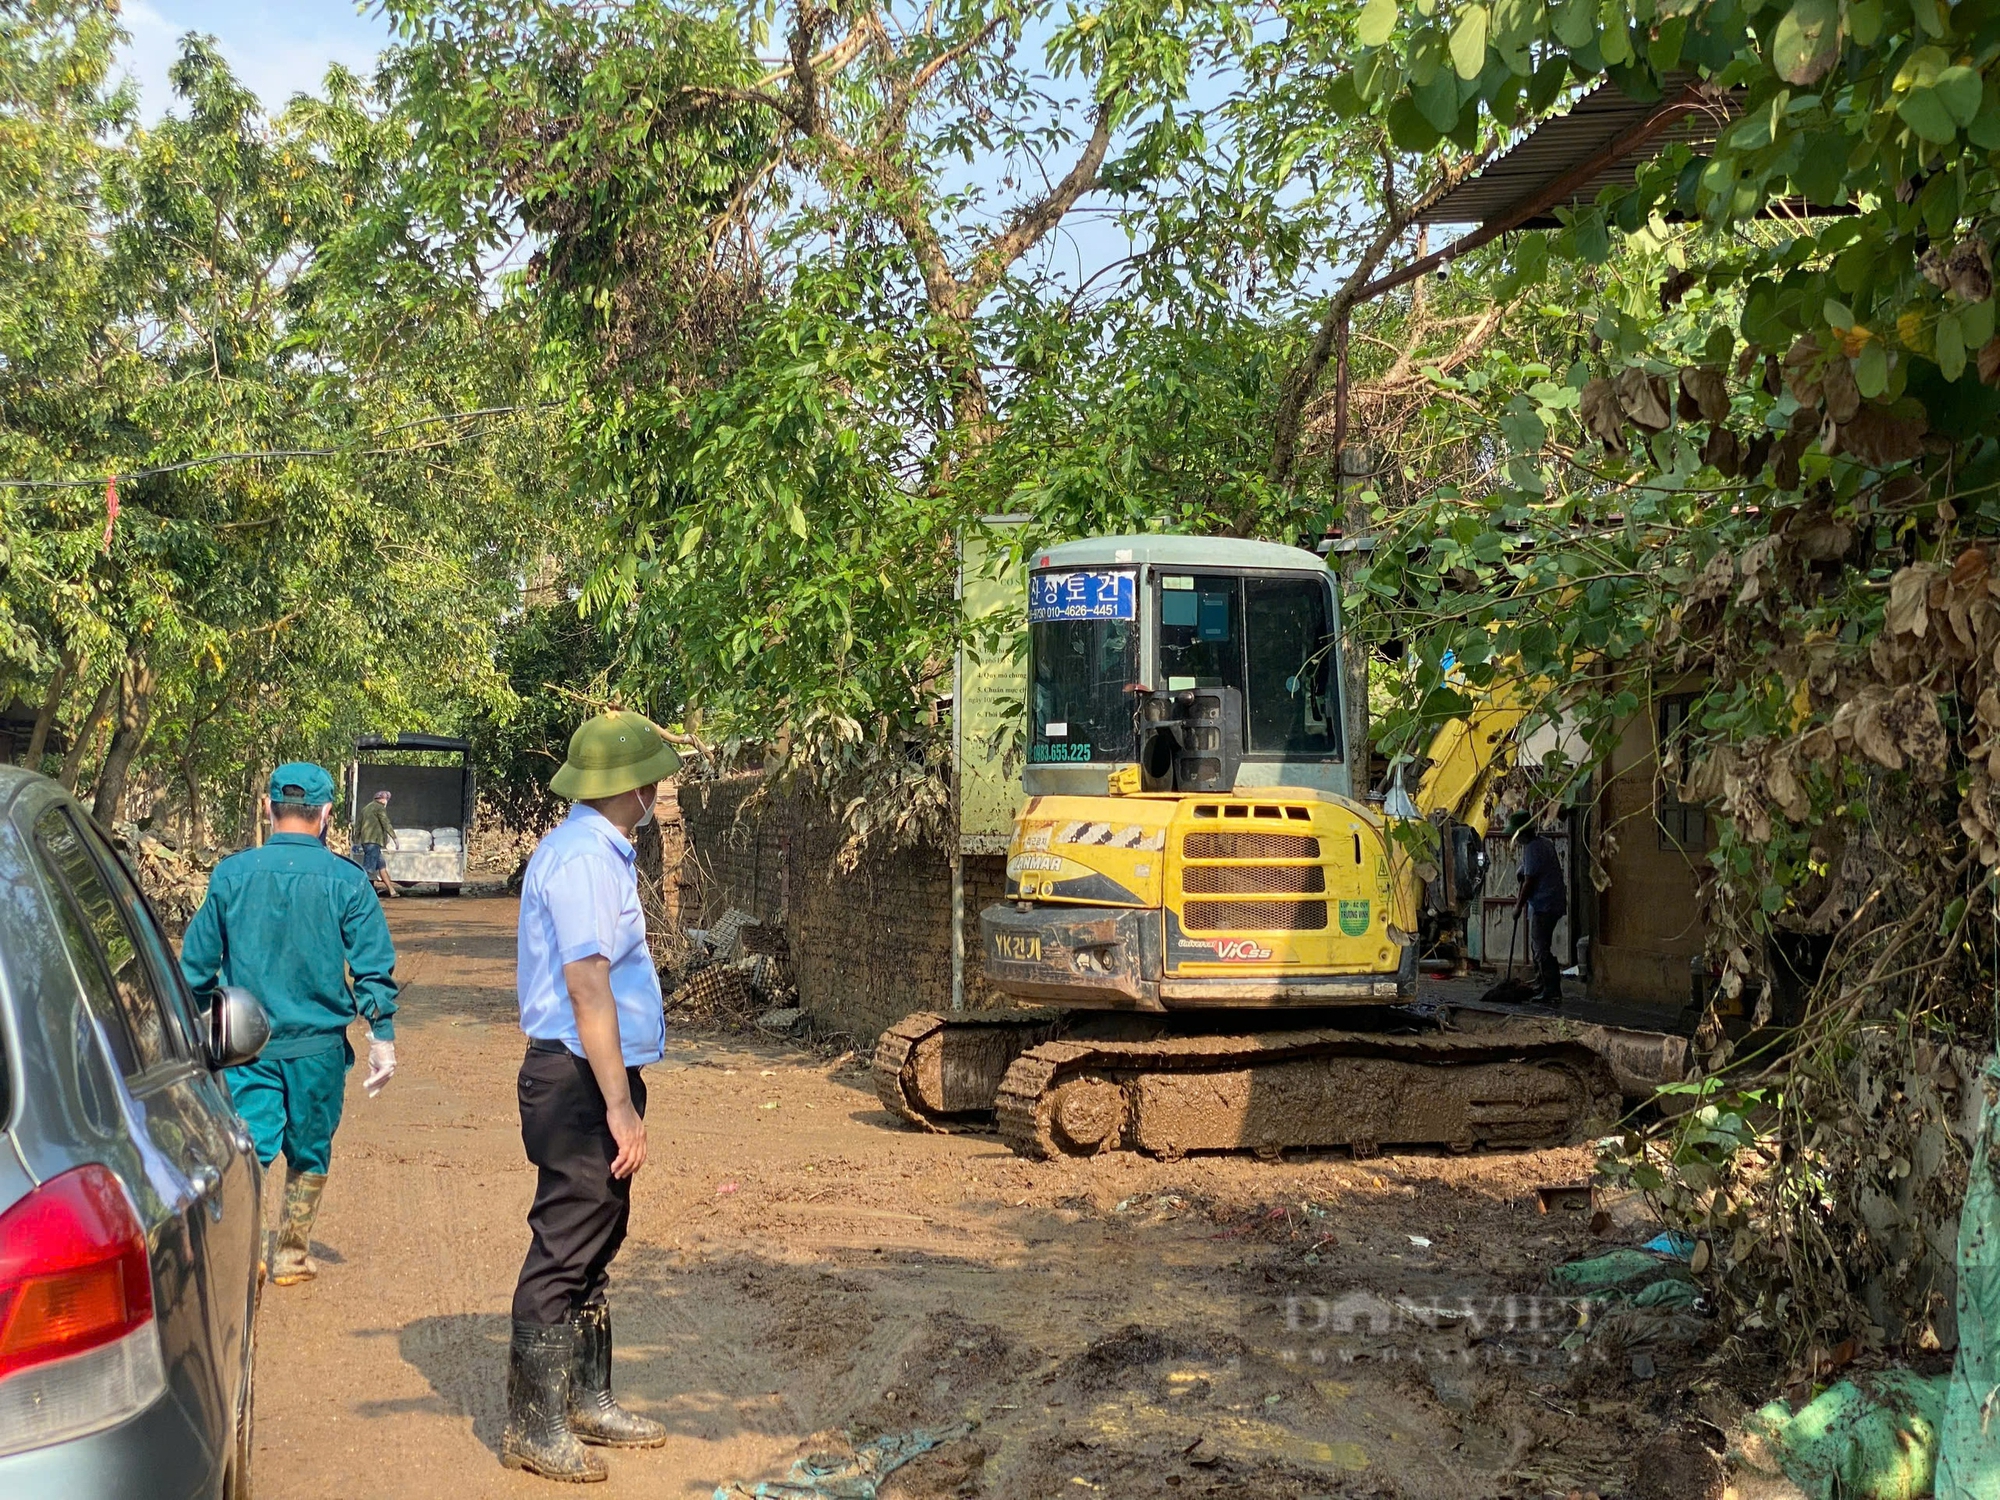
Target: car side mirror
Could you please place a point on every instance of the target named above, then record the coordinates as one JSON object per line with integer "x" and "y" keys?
{"x": 237, "y": 1028}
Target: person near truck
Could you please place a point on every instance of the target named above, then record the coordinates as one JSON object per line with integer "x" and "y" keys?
{"x": 1544, "y": 891}
{"x": 592, "y": 1012}
{"x": 372, "y": 834}
{"x": 291, "y": 922}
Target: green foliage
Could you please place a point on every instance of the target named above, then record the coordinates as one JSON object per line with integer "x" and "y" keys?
{"x": 243, "y": 285}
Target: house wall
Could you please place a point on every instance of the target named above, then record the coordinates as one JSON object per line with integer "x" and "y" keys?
{"x": 868, "y": 946}
{"x": 1648, "y": 923}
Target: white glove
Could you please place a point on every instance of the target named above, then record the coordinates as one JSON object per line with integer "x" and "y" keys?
{"x": 381, "y": 1066}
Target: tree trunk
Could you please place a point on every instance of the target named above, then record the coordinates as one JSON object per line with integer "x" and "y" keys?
{"x": 135, "y": 706}
{"x": 192, "y": 837}
{"x": 86, "y": 732}
{"x": 38, "y": 742}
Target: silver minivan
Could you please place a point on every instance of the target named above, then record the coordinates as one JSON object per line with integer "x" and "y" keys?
{"x": 128, "y": 1187}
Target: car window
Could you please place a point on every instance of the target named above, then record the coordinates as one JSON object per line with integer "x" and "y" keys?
{"x": 106, "y": 950}
{"x": 138, "y": 913}
{"x": 1291, "y": 696}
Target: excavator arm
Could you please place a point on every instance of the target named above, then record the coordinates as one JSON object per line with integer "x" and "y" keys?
{"x": 1467, "y": 754}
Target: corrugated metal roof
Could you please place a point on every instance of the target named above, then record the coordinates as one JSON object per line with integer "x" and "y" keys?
{"x": 1590, "y": 130}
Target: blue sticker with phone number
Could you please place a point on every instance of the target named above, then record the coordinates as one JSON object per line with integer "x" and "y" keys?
{"x": 1081, "y": 596}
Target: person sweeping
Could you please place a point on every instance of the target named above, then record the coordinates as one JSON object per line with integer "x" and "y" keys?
{"x": 291, "y": 922}
{"x": 592, "y": 1012}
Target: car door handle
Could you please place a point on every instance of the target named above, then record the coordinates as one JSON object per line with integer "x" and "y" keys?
{"x": 206, "y": 1182}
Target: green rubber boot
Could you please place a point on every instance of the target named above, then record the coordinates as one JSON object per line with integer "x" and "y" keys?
{"x": 292, "y": 1264}
{"x": 593, "y": 1415}
{"x": 538, "y": 1436}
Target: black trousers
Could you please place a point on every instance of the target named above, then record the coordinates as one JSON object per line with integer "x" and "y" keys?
{"x": 1542, "y": 952}
{"x": 580, "y": 1210}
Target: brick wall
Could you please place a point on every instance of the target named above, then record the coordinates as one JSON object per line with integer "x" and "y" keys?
{"x": 868, "y": 946}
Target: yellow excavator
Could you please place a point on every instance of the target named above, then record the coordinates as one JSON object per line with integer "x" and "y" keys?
{"x": 1211, "y": 935}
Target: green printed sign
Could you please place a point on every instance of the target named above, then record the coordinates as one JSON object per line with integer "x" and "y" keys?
{"x": 1354, "y": 917}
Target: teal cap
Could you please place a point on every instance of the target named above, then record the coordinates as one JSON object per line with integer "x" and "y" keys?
{"x": 314, "y": 786}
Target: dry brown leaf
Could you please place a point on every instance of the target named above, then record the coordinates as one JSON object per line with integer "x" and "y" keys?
{"x": 1879, "y": 437}
{"x": 1968, "y": 270}
{"x": 1907, "y": 612}
{"x": 1970, "y": 568}
{"x": 1872, "y": 737}
{"x": 1755, "y": 564}
{"x": 1818, "y": 537}
{"x": 1802, "y": 376}
{"x": 1843, "y": 396}
{"x": 1783, "y": 784}
{"x": 1757, "y": 454}
{"x": 1706, "y": 781}
{"x": 1989, "y": 360}
{"x": 1599, "y": 409}
{"x": 1643, "y": 398}
{"x": 1723, "y": 452}
{"x": 1715, "y": 581}
{"x": 1702, "y": 387}
{"x": 1932, "y": 265}
{"x": 1912, "y": 718}
{"x": 1785, "y": 456}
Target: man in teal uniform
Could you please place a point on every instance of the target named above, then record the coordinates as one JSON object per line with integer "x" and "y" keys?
{"x": 290, "y": 922}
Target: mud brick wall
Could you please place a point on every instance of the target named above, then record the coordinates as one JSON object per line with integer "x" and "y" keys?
{"x": 868, "y": 945}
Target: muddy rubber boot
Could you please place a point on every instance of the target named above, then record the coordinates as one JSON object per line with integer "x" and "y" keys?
{"x": 593, "y": 1415}
{"x": 291, "y": 1263}
{"x": 538, "y": 1436}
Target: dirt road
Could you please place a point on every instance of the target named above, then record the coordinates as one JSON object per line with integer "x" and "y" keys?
{"x": 797, "y": 1265}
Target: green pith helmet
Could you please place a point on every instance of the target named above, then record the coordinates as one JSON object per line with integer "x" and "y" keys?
{"x": 614, "y": 753}
{"x": 1522, "y": 823}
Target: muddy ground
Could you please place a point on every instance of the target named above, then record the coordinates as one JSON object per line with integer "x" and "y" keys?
{"x": 798, "y": 1266}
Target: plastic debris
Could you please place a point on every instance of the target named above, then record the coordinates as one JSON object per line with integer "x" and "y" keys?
{"x": 854, "y": 1475}
{"x": 1625, "y": 1275}
{"x": 1419, "y": 1241}
{"x": 1641, "y": 1298}
{"x": 1871, "y": 1438}
{"x": 1671, "y": 1242}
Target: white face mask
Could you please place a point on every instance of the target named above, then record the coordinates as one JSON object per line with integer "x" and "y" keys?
{"x": 647, "y": 816}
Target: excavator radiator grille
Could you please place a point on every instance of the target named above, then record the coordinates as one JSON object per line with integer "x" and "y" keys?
{"x": 1249, "y": 846}
{"x": 1252, "y": 880}
{"x": 1255, "y": 916}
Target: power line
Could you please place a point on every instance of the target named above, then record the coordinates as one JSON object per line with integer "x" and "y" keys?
{"x": 272, "y": 453}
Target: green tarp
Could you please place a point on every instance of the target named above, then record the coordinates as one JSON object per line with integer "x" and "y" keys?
{"x": 1969, "y": 1447}
{"x": 1894, "y": 1434}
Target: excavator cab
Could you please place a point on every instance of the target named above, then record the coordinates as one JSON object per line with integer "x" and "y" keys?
{"x": 1198, "y": 664}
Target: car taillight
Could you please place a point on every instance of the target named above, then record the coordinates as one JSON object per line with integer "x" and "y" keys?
{"x": 78, "y": 1345}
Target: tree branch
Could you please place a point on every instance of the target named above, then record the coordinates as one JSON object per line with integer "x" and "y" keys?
{"x": 1036, "y": 219}
{"x": 1305, "y": 379}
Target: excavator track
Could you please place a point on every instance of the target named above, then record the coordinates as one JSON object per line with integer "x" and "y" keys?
{"x": 1173, "y": 1095}
{"x": 941, "y": 1072}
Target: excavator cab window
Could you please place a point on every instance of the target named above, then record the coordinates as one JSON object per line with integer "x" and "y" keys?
{"x": 1201, "y": 632}
{"x": 1290, "y": 702}
{"x": 1083, "y": 665}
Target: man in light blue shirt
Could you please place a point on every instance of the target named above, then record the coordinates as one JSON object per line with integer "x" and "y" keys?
{"x": 591, "y": 1008}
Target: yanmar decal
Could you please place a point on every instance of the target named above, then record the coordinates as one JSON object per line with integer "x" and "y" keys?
{"x": 1046, "y": 863}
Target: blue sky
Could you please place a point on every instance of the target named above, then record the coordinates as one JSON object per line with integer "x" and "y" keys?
{"x": 278, "y": 47}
